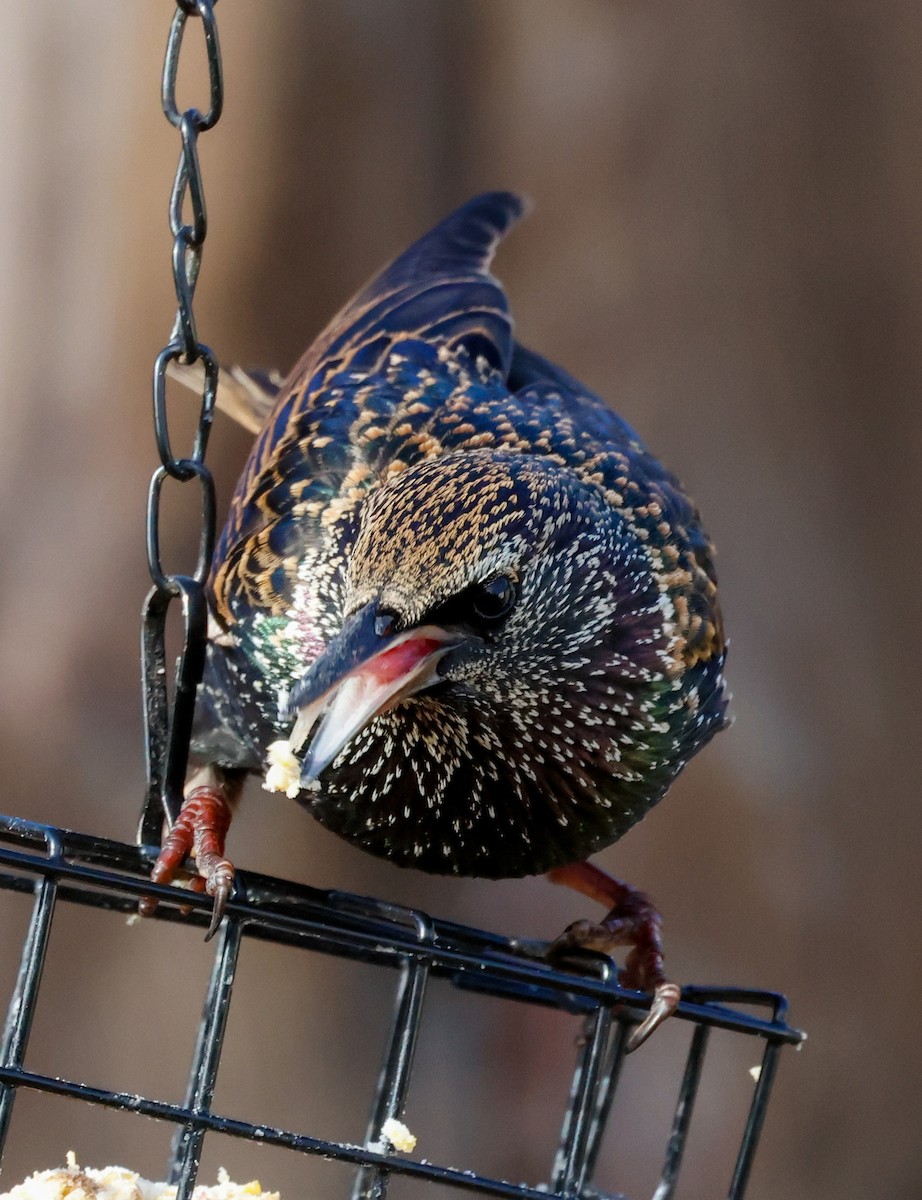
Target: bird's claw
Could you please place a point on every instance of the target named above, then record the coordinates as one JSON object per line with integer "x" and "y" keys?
{"x": 632, "y": 921}
{"x": 587, "y": 935}
{"x": 200, "y": 830}
{"x": 582, "y": 935}
{"x": 666, "y": 998}
{"x": 219, "y": 886}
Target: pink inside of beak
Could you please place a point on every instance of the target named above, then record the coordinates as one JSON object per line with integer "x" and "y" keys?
{"x": 400, "y": 660}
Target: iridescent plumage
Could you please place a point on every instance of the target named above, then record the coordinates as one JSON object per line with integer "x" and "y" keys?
{"x": 426, "y": 489}
{"x": 415, "y": 452}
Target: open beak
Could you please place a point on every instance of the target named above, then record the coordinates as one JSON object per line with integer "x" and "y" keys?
{"x": 359, "y": 676}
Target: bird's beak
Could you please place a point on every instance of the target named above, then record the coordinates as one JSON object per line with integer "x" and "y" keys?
{"x": 360, "y": 675}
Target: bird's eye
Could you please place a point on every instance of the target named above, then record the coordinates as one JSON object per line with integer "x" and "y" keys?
{"x": 385, "y": 624}
{"x": 494, "y": 599}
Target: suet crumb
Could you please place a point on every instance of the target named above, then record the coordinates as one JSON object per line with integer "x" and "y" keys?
{"x": 74, "y": 1182}
{"x": 284, "y": 771}
{"x": 398, "y": 1135}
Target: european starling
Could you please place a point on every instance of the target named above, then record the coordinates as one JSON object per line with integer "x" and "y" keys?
{"x": 464, "y": 593}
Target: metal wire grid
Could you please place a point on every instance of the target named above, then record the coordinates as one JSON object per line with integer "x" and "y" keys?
{"x": 55, "y": 864}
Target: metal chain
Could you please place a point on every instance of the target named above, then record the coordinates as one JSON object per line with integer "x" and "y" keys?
{"x": 168, "y": 732}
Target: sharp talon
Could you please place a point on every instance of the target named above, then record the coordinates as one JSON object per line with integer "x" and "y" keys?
{"x": 581, "y": 935}
{"x": 220, "y": 884}
{"x": 217, "y": 915}
{"x": 665, "y": 1001}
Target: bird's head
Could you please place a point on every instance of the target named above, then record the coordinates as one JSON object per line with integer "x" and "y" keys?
{"x": 504, "y": 588}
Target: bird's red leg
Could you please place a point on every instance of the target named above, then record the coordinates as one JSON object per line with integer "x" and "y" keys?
{"x": 199, "y": 831}
{"x": 632, "y": 921}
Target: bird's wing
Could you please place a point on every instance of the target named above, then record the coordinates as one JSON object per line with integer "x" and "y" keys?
{"x": 440, "y": 289}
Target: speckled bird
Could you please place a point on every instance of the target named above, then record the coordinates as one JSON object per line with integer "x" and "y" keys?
{"x": 470, "y": 615}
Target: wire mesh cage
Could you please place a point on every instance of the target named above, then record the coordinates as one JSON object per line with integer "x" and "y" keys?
{"x": 408, "y": 949}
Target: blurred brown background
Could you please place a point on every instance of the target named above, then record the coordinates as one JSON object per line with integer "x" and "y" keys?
{"x": 726, "y": 243}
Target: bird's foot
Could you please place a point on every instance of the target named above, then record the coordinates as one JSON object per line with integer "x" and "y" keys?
{"x": 199, "y": 831}
{"x": 633, "y": 921}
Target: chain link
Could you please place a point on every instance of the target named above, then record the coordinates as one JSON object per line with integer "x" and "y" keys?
{"x": 167, "y": 733}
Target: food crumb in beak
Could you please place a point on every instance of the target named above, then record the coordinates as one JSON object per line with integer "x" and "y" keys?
{"x": 284, "y": 771}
